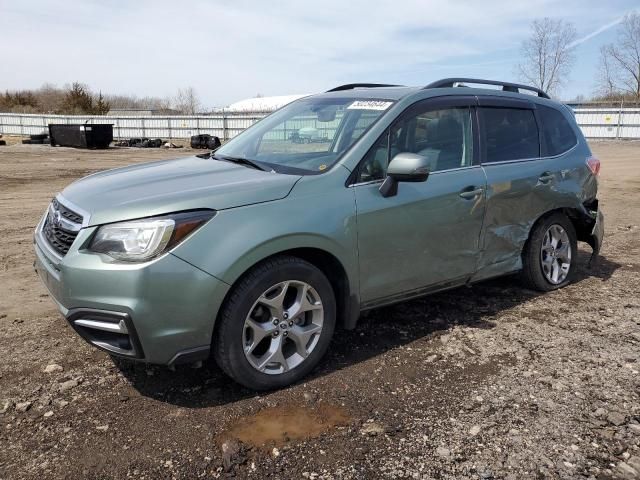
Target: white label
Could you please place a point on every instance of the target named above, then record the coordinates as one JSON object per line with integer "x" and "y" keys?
{"x": 369, "y": 105}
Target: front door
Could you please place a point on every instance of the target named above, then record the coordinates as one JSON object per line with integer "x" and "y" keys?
{"x": 428, "y": 234}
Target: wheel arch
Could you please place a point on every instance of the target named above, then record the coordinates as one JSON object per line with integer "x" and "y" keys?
{"x": 347, "y": 298}
{"x": 579, "y": 217}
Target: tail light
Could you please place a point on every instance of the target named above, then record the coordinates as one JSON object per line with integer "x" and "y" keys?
{"x": 594, "y": 165}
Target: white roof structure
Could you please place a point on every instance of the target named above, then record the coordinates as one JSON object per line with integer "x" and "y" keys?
{"x": 262, "y": 104}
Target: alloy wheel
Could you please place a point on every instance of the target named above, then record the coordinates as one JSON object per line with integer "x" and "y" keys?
{"x": 283, "y": 327}
{"x": 555, "y": 254}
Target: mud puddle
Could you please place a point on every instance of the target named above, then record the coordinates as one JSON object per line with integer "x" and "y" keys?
{"x": 286, "y": 424}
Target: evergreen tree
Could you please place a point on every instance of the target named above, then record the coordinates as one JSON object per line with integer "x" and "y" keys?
{"x": 102, "y": 106}
{"x": 78, "y": 100}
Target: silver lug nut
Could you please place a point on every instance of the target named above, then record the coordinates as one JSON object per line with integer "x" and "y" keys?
{"x": 285, "y": 334}
{"x": 276, "y": 333}
{"x": 275, "y": 321}
{"x": 290, "y": 324}
{"x": 286, "y": 315}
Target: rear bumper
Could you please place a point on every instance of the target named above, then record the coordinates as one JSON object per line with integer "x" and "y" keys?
{"x": 590, "y": 227}
{"x": 597, "y": 234}
{"x": 159, "y": 312}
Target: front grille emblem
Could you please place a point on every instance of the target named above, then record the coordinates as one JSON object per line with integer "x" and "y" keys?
{"x": 61, "y": 227}
{"x": 57, "y": 219}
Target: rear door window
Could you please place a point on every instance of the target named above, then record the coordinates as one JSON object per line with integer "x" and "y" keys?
{"x": 557, "y": 134}
{"x": 509, "y": 134}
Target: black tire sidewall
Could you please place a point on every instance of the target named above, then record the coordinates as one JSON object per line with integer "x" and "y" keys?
{"x": 532, "y": 262}
{"x": 231, "y": 330}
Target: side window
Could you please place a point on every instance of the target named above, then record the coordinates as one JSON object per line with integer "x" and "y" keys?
{"x": 443, "y": 136}
{"x": 374, "y": 164}
{"x": 510, "y": 134}
{"x": 557, "y": 134}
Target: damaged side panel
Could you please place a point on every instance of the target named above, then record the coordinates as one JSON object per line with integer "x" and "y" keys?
{"x": 589, "y": 224}
{"x": 518, "y": 194}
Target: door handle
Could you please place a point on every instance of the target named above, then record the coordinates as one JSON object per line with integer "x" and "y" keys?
{"x": 545, "y": 177}
{"x": 471, "y": 192}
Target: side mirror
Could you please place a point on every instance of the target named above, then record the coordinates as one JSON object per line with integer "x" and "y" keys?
{"x": 404, "y": 167}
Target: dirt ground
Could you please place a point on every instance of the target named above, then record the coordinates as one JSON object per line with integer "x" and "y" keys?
{"x": 491, "y": 381}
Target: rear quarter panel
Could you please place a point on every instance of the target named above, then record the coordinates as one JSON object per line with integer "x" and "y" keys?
{"x": 516, "y": 200}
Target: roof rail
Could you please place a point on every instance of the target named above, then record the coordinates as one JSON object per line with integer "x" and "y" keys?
{"x": 506, "y": 86}
{"x": 351, "y": 86}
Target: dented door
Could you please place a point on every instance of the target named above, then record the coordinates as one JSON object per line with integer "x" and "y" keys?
{"x": 426, "y": 235}
{"x": 520, "y": 184}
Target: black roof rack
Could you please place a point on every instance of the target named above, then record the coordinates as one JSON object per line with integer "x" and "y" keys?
{"x": 351, "y": 86}
{"x": 506, "y": 86}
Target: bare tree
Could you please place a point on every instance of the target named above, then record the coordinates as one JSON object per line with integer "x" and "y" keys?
{"x": 131, "y": 101}
{"x": 620, "y": 61}
{"x": 606, "y": 82}
{"x": 547, "y": 55}
{"x": 50, "y": 98}
{"x": 187, "y": 101}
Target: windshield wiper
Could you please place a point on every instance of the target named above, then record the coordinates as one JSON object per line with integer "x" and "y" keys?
{"x": 240, "y": 161}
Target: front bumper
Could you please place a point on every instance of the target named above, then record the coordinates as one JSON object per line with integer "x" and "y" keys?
{"x": 162, "y": 311}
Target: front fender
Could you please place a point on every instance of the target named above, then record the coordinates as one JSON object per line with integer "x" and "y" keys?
{"x": 237, "y": 239}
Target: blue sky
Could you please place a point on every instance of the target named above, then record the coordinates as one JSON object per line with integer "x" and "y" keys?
{"x": 230, "y": 50}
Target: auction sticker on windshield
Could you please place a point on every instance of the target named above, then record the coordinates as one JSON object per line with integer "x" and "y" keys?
{"x": 369, "y": 105}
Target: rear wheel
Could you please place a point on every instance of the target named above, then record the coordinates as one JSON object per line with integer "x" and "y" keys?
{"x": 550, "y": 253}
{"x": 276, "y": 325}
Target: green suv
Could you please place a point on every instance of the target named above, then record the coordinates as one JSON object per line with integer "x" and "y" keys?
{"x": 355, "y": 198}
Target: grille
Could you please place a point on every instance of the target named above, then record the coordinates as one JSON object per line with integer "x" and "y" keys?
{"x": 61, "y": 238}
{"x": 66, "y": 213}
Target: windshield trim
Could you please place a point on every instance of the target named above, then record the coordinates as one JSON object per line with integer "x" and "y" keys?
{"x": 290, "y": 170}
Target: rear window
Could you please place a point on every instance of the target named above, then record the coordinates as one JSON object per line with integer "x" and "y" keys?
{"x": 558, "y": 136}
{"x": 510, "y": 134}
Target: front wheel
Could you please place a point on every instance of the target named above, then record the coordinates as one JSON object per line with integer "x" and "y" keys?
{"x": 550, "y": 253}
{"x": 276, "y": 324}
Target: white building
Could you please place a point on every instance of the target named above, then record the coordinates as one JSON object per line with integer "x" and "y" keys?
{"x": 262, "y": 104}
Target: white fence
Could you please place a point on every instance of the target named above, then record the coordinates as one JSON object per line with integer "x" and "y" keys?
{"x": 223, "y": 125}
{"x": 595, "y": 122}
{"x": 600, "y": 122}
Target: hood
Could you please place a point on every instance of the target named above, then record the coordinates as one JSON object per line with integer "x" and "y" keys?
{"x": 158, "y": 188}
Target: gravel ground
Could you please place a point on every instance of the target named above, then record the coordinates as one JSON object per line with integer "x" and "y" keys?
{"x": 491, "y": 381}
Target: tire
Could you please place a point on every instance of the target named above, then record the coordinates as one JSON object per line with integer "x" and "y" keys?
{"x": 280, "y": 277}
{"x": 547, "y": 267}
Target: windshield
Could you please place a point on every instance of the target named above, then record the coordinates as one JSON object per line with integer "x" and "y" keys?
{"x": 307, "y": 136}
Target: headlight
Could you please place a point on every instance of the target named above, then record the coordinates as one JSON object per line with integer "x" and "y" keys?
{"x": 141, "y": 240}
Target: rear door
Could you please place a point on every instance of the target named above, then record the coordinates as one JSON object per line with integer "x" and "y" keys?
{"x": 428, "y": 234}
{"x": 519, "y": 181}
